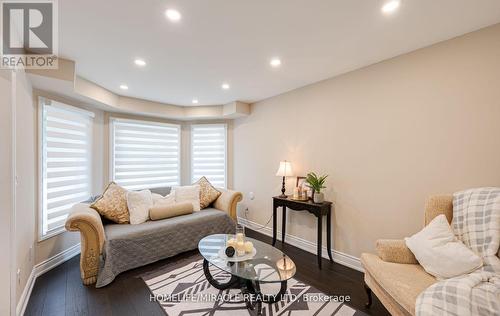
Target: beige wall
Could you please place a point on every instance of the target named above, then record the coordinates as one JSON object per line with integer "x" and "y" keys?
{"x": 388, "y": 136}
{"x": 26, "y": 181}
{"x": 6, "y": 190}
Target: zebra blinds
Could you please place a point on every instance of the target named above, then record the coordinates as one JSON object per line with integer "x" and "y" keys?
{"x": 208, "y": 153}
{"x": 66, "y": 142}
{"x": 145, "y": 154}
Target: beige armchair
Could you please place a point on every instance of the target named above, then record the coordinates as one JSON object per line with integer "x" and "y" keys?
{"x": 394, "y": 274}
{"x": 88, "y": 222}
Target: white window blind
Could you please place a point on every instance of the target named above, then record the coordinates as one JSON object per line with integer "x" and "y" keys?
{"x": 208, "y": 153}
{"x": 145, "y": 154}
{"x": 66, "y": 140}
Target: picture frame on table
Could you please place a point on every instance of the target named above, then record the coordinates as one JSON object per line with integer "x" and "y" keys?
{"x": 301, "y": 183}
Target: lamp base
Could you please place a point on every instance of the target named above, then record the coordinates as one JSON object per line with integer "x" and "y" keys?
{"x": 283, "y": 195}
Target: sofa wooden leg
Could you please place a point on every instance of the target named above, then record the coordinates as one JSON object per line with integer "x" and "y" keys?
{"x": 369, "y": 294}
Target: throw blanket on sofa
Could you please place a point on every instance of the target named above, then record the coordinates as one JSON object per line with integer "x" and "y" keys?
{"x": 476, "y": 222}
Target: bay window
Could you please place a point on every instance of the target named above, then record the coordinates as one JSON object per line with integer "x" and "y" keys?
{"x": 65, "y": 134}
{"x": 209, "y": 153}
{"x": 144, "y": 154}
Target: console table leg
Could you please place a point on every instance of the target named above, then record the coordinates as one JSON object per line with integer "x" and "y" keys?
{"x": 320, "y": 239}
{"x": 274, "y": 224}
{"x": 329, "y": 234}
{"x": 283, "y": 225}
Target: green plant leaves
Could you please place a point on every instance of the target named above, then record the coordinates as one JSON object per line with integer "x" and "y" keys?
{"x": 315, "y": 182}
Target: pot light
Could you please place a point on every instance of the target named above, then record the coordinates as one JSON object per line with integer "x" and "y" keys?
{"x": 123, "y": 87}
{"x": 391, "y": 6}
{"x": 173, "y": 15}
{"x": 140, "y": 62}
{"x": 275, "y": 62}
{"x": 225, "y": 86}
{"x": 195, "y": 101}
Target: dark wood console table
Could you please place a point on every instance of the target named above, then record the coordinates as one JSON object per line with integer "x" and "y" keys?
{"x": 317, "y": 209}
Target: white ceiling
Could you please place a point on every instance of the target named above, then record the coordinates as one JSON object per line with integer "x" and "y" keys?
{"x": 233, "y": 41}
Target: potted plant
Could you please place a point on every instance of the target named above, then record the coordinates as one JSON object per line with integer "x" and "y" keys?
{"x": 316, "y": 183}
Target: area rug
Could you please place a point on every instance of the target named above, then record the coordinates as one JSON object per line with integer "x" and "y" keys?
{"x": 182, "y": 289}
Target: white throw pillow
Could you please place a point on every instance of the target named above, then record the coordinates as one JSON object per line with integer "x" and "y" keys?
{"x": 160, "y": 200}
{"x": 138, "y": 203}
{"x": 440, "y": 253}
{"x": 188, "y": 193}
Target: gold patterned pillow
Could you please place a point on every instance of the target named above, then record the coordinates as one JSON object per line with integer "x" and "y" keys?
{"x": 113, "y": 204}
{"x": 208, "y": 194}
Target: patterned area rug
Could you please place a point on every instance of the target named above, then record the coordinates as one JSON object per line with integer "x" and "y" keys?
{"x": 182, "y": 289}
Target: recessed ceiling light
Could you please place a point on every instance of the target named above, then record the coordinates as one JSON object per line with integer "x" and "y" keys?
{"x": 123, "y": 87}
{"x": 140, "y": 62}
{"x": 275, "y": 62}
{"x": 225, "y": 86}
{"x": 391, "y": 6}
{"x": 173, "y": 15}
{"x": 195, "y": 101}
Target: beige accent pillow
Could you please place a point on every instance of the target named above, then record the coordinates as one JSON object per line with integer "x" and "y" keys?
{"x": 188, "y": 193}
{"x": 159, "y": 199}
{"x": 113, "y": 204}
{"x": 138, "y": 203}
{"x": 208, "y": 194}
{"x": 167, "y": 211}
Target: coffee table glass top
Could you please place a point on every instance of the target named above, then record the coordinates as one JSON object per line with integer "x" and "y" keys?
{"x": 267, "y": 265}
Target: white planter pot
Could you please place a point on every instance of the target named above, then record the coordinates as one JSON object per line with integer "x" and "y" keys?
{"x": 318, "y": 197}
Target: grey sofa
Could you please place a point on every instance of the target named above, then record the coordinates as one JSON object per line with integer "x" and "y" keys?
{"x": 107, "y": 249}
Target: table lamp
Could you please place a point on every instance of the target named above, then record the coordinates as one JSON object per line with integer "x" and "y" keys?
{"x": 285, "y": 170}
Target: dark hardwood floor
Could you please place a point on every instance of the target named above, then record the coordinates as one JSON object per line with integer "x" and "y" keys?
{"x": 61, "y": 292}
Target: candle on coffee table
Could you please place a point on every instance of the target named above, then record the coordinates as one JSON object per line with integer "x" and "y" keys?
{"x": 231, "y": 243}
{"x": 248, "y": 247}
{"x": 240, "y": 237}
{"x": 240, "y": 248}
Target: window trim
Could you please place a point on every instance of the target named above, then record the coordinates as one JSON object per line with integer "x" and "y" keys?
{"x": 192, "y": 126}
{"x": 42, "y": 101}
{"x": 41, "y": 235}
{"x": 111, "y": 149}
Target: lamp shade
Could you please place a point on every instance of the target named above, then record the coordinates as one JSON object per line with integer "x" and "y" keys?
{"x": 285, "y": 169}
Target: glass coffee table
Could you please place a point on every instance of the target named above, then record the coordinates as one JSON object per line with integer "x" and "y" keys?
{"x": 268, "y": 265}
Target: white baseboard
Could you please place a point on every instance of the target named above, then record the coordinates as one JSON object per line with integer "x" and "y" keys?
{"x": 25, "y": 296}
{"x": 40, "y": 269}
{"x": 338, "y": 257}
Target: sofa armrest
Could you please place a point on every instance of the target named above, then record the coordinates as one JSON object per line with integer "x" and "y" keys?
{"x": 88, "y": 222}
{"x": 437, "y": 205}
{"x": 227, "y": 202}
{"x": 394, "y": 250}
